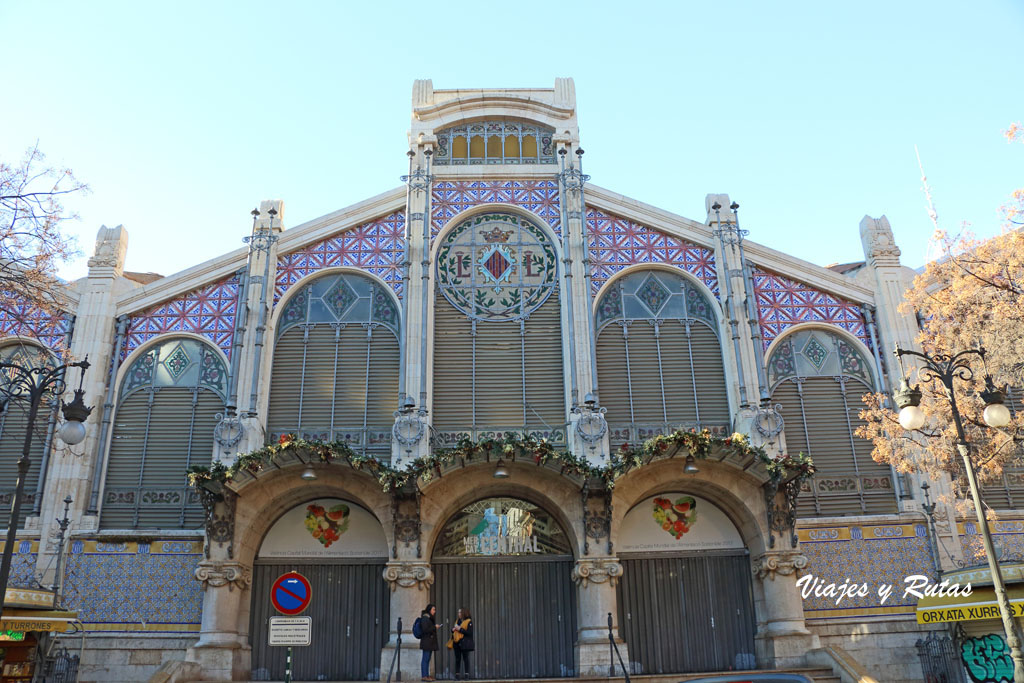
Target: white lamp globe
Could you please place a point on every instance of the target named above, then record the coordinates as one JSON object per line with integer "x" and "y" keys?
{"x": 72, "y": 432}
{"x": 996, "y": 415}
{"x": 912, "y": 417}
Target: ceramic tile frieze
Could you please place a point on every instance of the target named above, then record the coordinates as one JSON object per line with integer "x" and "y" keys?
{"x": 208, "y": 311}
{"x": 23, "y": 563}
{"x": 616, "y": 243}
{"x": 28, "y": 321}
{"x": 377, "y": 247}
{"x": 1007, "y": 537}
{"x": 782, "y": 303}
{"x": 450, "y": 198}
{"x": 135, "y": 586}
{"x": 871, "y": 554}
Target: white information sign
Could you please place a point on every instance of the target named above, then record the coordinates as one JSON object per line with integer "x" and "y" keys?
{"x": 290, "y": 631}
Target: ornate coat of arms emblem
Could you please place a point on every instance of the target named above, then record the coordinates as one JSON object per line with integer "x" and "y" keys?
{"x": 497, "y": 266}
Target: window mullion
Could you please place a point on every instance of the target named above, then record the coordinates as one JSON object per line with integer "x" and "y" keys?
{"x": 302, "y": 375}
{"x": 693, "y": 371}
{"x": 853, "y": 444}
{"x": 338, "y": 327}
{"x": 366, "y": 383}
{"x": 799, "y": 381}
{"x": 656, "y": 324}
{"x": 188, "y": 452}
{"x": 145, "y": 447}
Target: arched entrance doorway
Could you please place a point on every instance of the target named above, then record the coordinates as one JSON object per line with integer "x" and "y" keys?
{"x": 685, "y": 598}
{"x": 509, "y": 562}
{"x": 340, "y": 547}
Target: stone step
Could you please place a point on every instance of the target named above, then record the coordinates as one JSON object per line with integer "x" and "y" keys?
{"x": 816, "y": 675}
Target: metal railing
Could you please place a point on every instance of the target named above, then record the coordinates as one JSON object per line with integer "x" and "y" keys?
{"x": 397, "y": 657}
{"x": 940, "y": 659}
{"x": 613, "y": 652}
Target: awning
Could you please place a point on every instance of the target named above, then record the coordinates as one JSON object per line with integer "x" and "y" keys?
{"x": 37, "y": 620}
{"x": 980, "y": 604}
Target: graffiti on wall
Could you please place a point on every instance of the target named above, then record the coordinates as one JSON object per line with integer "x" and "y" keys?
{"x": 987, "y": 659}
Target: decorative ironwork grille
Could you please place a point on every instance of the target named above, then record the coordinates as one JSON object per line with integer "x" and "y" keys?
{"x": 495, "y": 142}
{"x": 335, "y": 373}
{"x": 940, "y": 659}
{"x": 169, "y": 401}
{"x": 819, "y": 378}
{"x": 659, "y": 358}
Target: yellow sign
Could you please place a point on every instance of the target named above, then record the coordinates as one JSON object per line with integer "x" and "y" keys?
{"x": 34, "y": 624}
{"x": 978, "y": 606}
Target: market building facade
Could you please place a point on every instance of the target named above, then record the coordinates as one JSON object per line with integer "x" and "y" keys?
{"x": 497, "y": 292}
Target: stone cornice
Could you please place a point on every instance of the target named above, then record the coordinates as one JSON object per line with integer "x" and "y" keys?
{"x": 214, "y": 574}
{"x": 596, "y": 570}
{"x": 779, "y": 563}
{"x": 182, "y": 282}
{"x": 409, "y": 574}
{"x": 351, "y": 216}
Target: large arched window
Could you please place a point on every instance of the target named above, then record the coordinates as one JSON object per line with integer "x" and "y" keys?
{"x": 819, "y": 377}
{"x": 14, "y": 424}
{"x": 335, "y": 372}
{"x": 659, "y": 358}
{"x": 169, "y": 401}
{"x": 497, "y": 331}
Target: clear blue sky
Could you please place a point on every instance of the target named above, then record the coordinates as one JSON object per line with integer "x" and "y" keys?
{"x": 183, "y": 116}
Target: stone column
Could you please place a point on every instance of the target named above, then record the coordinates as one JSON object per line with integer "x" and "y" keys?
{"x": 595, "y": 578}
{"x": 410, "y": 582}
{"x": 783, "y": 640}
{"x": 222, "y": 650}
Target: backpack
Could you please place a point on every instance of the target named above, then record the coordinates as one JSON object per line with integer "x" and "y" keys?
{"x": 417, "y": 628}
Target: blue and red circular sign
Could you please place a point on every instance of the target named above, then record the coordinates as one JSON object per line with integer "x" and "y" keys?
{"x": 291, "y": 593}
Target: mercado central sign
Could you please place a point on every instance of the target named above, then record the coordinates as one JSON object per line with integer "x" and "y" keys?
{"x": 496, "y": 527}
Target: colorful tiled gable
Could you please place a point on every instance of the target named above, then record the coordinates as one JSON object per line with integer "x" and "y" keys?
{"x": 378, "y": 247}
{"x": 34, "y": 323}
{"x": 616, "y": 243}
{"x": 871, "y": 555}
{"x": 782, "y": 303}
{"x": 450, "y": 198}
{"x": 131, "y": 586}
{"x": 208, "y": 311}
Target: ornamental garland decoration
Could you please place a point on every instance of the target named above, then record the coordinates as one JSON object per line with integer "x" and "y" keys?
{"x": 512, "y": 446}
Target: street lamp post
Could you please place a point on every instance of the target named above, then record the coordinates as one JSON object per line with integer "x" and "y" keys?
{"x": 946, "y": 368}
{"x": 31, "y": 385}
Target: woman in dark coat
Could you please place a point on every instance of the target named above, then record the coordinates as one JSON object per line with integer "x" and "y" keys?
{"x": 428, "y": 642}
{"x": 462, "y": 633}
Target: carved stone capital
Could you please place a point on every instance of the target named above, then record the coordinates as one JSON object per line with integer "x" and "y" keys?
{"x": 216, "y": 574}
{"x": 597, "y": 570}
{"x": 781, "y": 562}
{"x": 409, "y": 574}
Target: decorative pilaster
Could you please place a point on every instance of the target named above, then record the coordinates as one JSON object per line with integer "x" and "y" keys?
{"x": 417, "y": 575}
{"x": 783, "y": 639}
{"x": 595, "y": 579}
{"x": 213, "y": 574}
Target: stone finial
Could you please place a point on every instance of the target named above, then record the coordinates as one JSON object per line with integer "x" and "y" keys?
{"x": 725, "y": 212}
{"x": 565, "y": 93}
{"x": 409, "y": 574}
{"x": 879, "y": 245}
{"x": 276, "y": 224}
{"x": 108, "y": 257}
{"x": 422, "y": 92}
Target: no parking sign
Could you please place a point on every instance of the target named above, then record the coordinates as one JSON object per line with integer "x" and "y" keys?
{"x": 291, "y": 593}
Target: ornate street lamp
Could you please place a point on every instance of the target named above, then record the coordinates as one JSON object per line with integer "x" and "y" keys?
{"x": 946, "y": 368}
{"x": 31, "y": 385}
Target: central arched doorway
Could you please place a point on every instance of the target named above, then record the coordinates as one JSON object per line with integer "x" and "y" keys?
{"x": 340, "y": 547}
{"x": 510, "y": 563}
{"x": 686, "y": 597}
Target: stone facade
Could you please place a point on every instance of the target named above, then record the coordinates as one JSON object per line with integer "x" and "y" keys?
{"x": 181, "y": 595}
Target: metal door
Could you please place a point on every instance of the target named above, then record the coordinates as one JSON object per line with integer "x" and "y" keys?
{"x": 350, "y": 607}
{"x": 524, "y": 615}
{"x": 687, "y": 614}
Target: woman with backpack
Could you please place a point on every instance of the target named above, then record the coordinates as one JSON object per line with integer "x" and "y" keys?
{"x": 462, "y": 637}
{"x": 428, "y": 640}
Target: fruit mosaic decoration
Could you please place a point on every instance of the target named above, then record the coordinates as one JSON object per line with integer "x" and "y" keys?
{"x": 327, "y": 525}
{"x": 675, "y": 518}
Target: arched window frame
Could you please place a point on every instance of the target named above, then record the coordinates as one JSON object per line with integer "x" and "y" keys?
{"x": 846, "y": 361}
{"x": 556, "y": 433}
{"x": 374, "y": 308}
{"x": 698, "y": 308}
{"x": 149, "y": 369}
{"x": 29, "y": 354}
